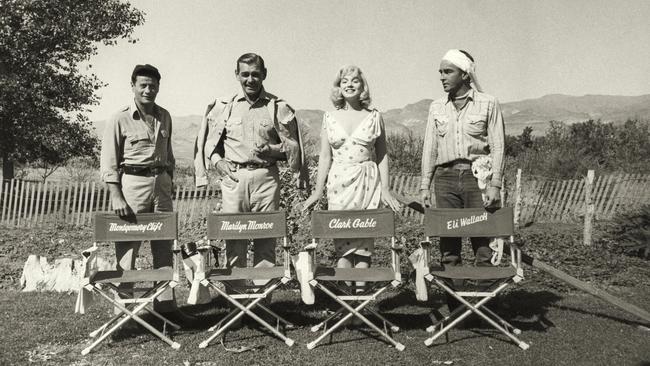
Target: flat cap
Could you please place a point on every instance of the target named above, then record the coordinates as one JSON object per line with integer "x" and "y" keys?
{"x": 145, "y": 70}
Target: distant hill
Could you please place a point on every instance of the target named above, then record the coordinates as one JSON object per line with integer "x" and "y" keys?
{"x": 530, "y": 112}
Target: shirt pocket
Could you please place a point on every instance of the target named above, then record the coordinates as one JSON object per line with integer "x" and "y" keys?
{"x": 475, "y": 125}
{"x": 234, "y": 128}
{"x": 139, "y": 139}
{"x": 266, "y": 133}
{"x": 442, "y": 124}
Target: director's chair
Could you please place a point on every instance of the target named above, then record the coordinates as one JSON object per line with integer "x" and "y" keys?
{"x": 489, "y": 281}
{"x": 145, "y": 226}
{"x": 265, "y": 280}
{"x": 353, "y": 224}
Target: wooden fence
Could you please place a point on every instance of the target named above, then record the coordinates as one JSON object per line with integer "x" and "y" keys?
{"x": 552, "y": 200}
{"x": 28, "y": 204}
{"x": 546, "y": 200}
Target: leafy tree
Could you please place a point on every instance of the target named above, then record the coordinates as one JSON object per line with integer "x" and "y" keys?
{"x": 43, "y": 94}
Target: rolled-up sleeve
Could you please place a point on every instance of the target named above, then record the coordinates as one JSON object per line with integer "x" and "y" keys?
{"x": 111, "y": 151}
{"x": 289, "y": 135}
{"x": 496, "y": 141}
{"x": 429, "y": 151}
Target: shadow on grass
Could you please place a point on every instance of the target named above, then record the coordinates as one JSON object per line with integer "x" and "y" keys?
{"x": 524, "y": 309}
{"x": 603, "y": 315}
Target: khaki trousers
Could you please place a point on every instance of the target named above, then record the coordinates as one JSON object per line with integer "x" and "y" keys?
{"x": 144, "y": 195}
{"x": 258, "y": 190}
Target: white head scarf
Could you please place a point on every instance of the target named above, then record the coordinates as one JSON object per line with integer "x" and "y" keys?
{"x": 464, "y": 63}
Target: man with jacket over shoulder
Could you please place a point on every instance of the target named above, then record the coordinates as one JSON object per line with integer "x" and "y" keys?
{"x": 243, "y": 137}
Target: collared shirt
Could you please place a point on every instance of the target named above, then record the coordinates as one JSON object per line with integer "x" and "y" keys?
{"x": 129, "y": 140}
{"x": 476, "y": 129}
{"x": 251, "y": 124}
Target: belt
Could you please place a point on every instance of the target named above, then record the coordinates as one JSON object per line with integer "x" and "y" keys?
{"x": 457, "y": 165}
{"x": 251, "y": 166}
{"x": 143, "y": 171}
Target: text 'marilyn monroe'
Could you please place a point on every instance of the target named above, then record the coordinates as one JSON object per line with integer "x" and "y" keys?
{"x": 249, "y": 225}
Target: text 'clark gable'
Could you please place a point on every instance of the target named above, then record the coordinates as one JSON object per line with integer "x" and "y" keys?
{"x": 352, "y": 224}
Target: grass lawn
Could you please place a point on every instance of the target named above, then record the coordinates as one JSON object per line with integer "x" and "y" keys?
{"x": 563, "y": 328}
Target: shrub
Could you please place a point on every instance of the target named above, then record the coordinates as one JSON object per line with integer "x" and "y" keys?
{"x": 631, "y": 232}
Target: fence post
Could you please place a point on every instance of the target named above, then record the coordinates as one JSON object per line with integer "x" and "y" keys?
{"x": 589, "y": 207}
{"x": 518, "y": 198}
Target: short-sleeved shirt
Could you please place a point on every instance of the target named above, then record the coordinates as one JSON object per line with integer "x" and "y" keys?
{"x": 129, "y": 140}
{"x": 251, "y": 124}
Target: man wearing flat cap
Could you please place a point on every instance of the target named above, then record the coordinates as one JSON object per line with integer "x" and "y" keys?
{"x": 137, "y": 165}
{"x": 461, "y": 127}
{"x": 243, "y": 137}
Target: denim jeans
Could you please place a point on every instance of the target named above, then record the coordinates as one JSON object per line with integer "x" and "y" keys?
{"x": 459, "y": 189}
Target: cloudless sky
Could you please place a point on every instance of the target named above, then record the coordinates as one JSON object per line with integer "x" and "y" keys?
{"x": 523, "y": 48}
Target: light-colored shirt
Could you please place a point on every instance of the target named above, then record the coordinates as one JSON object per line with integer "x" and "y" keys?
{"x": 250, "y": 124}
{"x": 475, "y": 130}
{"x": 129, "y": 140}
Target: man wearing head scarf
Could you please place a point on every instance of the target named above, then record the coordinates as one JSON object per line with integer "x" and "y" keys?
{"x": 461, "y": 127}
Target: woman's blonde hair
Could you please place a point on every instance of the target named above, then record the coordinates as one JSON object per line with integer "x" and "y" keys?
{"x": 337, "y": 96}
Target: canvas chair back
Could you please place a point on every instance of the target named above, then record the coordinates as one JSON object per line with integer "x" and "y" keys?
{"x": 468, "y": 222}
{"x": 146, "y": 226}
{"x": 247, "y": 225}
{"x": 351, "y": 224}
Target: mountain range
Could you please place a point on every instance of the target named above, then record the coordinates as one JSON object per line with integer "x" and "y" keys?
{"x": 536, "y": 113}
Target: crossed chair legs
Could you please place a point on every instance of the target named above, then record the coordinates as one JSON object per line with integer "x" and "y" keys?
{"x": 468, "y": 308}
{"x": 130, "y": 308}
{"x": 131, "y": 311}
{"x": 242, "y": 308}
{"x": 365, "y": 300}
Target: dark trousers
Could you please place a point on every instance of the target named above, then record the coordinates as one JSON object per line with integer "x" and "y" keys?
{"x": 459, "y": 189}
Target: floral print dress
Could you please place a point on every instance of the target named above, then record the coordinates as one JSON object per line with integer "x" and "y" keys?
{"x": 353, "y": 182}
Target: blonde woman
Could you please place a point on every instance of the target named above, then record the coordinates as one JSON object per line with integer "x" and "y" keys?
{"x": 353, "y": 160}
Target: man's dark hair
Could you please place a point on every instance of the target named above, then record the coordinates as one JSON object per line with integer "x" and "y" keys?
{"x": 145, "y": 70}
{"x": 467, "y": 54}
{"x": 250, "y": 59}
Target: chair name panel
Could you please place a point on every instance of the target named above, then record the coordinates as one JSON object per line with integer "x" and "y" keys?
{"x": 144, "y": 226}
{"x": 453, "y": 222}
{"x": 353, "y": 224}
{"x": 247, "y": 225}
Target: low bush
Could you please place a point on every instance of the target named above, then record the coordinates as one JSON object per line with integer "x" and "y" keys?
{"x": 631, "y": 232}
